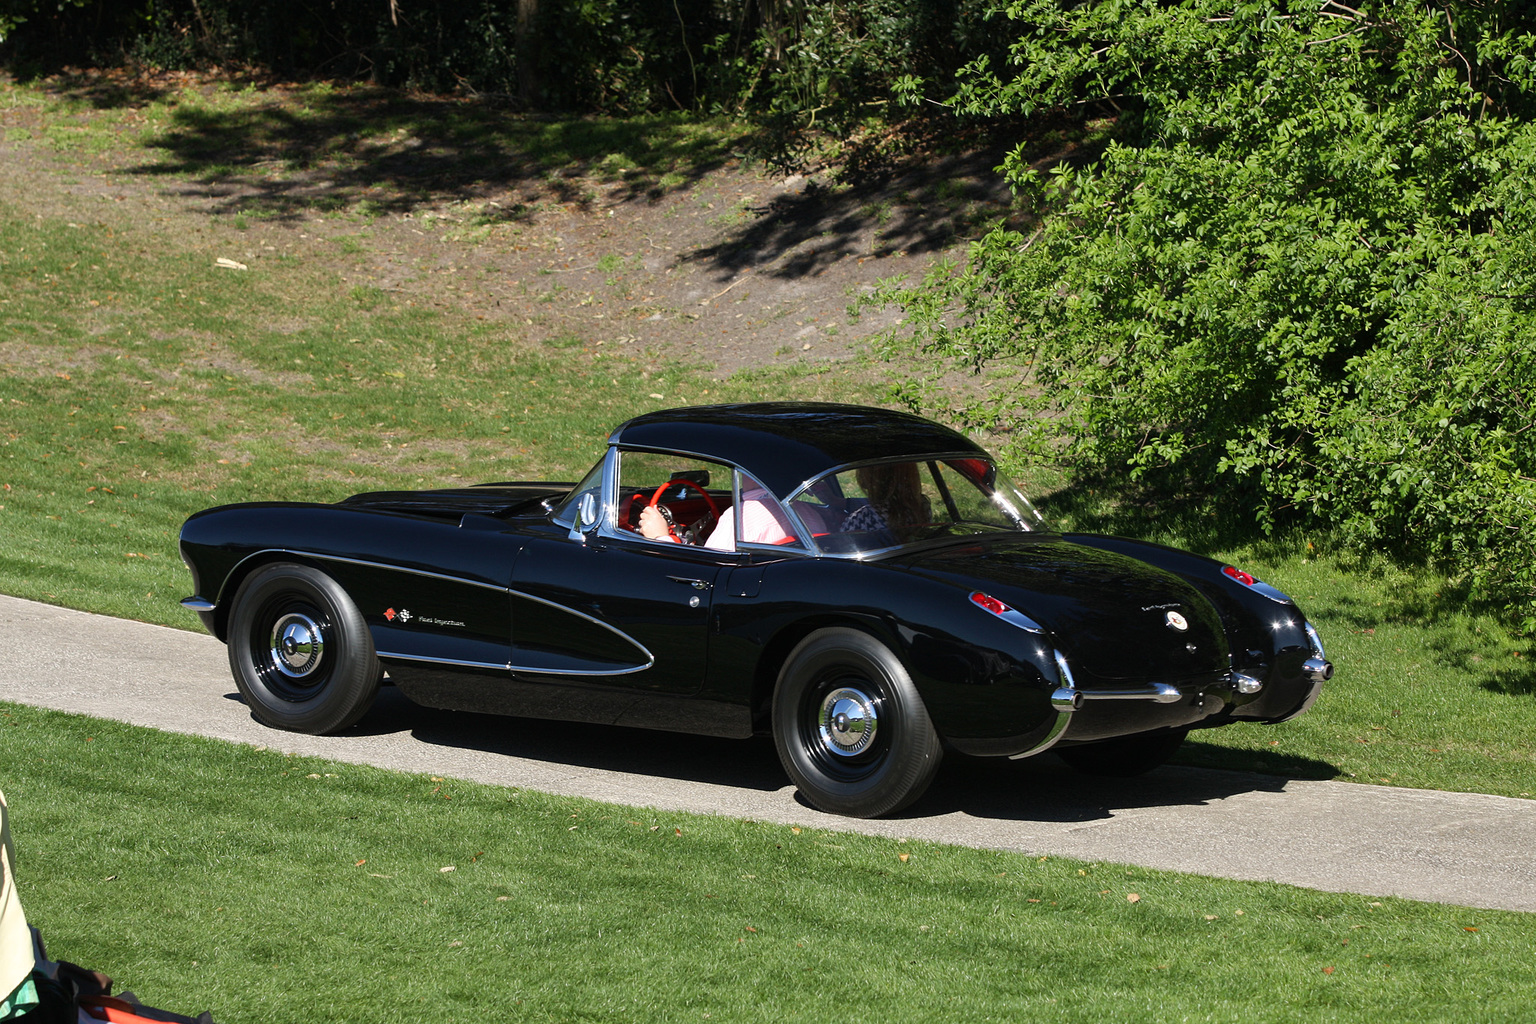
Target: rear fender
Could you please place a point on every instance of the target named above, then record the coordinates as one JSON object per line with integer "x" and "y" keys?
{"x": 1266, "y": 631}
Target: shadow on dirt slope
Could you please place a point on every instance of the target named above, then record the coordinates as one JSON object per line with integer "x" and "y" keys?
{"x": 917, "y": 211}
{"x": 318, "y": 147}
{"x": 397, "y": 152}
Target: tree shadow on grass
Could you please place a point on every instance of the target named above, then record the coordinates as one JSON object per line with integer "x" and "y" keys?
{"x": 1480, "y": 655}
{"x": 1460, "y": 629}
{"x": 316, "y": 147}
{"x": 112, "y": 88}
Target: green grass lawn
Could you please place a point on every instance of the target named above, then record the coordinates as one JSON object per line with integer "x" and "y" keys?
{"x": 204, "y": 874}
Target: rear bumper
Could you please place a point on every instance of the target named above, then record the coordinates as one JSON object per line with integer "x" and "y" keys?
{"x": 205, "y": 610}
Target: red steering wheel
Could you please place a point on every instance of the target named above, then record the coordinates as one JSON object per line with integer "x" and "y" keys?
{"x": 666, "y": 513}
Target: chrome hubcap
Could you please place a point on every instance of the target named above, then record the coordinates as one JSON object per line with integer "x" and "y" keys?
{"x": 297, "y": 645}
{"x": 847, "y": 722}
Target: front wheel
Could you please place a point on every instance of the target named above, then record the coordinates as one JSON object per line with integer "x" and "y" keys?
{"x": 851, "y": 729}
{"x": 1125, "y": 757}
{"x": 300, "y": 651}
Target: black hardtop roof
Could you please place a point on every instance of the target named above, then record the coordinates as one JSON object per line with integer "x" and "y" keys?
{"x": 785, "y": 444}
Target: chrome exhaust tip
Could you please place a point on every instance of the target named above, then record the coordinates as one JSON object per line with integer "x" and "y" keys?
{"x": 1317, "y": 670}
{"x": 1066, "y": 699}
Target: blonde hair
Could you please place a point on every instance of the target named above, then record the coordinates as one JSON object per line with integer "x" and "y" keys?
{"x": 896, "y": 491}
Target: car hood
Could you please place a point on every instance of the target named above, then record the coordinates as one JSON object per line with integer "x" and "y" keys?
{"x": 1107, "y": 612}
{"x": 452, "y": 503}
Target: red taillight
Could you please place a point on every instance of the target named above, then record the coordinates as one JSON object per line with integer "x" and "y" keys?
{"x": 1241, "y": 577}
{"x": 990, "y": 603}
{"x": 1012, "y": 616}
{"x": 977, "y": 471}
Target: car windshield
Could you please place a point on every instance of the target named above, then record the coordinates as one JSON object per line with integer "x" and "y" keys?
{"x": 883, "y": 505}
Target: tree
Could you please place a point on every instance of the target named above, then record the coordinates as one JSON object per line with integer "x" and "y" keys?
{"x": 14, "y": 13}
{"x": 1302, "y": 274}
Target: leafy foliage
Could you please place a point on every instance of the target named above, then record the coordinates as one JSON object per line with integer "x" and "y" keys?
{"x": 849, "y": 68}
{"x": 15, "y": 13}
{"x": 801, "y": 70}
{"x": 610, "y": 56}
{"x": 1301, "y": 276}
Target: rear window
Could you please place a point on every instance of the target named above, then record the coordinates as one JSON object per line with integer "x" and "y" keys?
{"x": 890, "y": 504}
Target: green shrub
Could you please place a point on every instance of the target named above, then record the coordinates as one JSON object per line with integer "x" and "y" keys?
{"x": 1300, "y": 277}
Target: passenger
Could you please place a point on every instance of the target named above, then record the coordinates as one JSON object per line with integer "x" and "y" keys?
{"x": 896, "y": 500}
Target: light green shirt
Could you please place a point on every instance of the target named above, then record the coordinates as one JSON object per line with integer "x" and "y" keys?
{"x": 23, "y": 1000}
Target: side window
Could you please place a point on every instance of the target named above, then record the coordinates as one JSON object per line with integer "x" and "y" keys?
{"x": 891, "y": 500}
{"x": 692, "y": 495}
{"x": 873, "y": 507}
{"x": 759, "y": 518}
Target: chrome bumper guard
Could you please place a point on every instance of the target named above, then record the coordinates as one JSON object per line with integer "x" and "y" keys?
{"x": 1067, "y": 698}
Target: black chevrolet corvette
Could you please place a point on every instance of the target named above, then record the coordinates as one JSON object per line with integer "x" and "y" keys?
{"x": 863, "y": 584}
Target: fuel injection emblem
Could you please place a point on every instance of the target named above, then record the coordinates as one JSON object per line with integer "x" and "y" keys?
{"x": 1176, "y": 621}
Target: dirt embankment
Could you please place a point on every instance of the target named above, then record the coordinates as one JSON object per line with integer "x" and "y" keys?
{"x": 730, "y": 267}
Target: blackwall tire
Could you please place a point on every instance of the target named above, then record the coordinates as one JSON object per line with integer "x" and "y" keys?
{"x": 300, "y": 651}
{"x": 851, "y": 729}
{"x": 1125, "y": 757}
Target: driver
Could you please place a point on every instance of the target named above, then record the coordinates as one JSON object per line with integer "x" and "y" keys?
{"x": 760, "y": 522}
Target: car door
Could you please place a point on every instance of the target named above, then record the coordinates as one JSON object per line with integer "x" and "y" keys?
{"x": 602, "y": 604}
{"x": 615, "y": 611}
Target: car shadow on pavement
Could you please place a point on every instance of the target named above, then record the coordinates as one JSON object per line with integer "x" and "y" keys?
{"x": 744, "y": 764}
{"x": 1037, "y": 789}
{"x": 1045, "y": 789}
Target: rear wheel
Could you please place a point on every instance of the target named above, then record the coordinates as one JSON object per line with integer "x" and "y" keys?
{"x": 1126, "y": 756}
{"x": 300, "y": 651}
{"x": 851, "y": 729}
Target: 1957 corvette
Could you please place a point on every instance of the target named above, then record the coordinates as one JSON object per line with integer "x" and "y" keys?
{"x": 863, "y": 584}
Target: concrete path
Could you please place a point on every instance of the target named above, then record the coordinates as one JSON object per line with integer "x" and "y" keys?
{"x": 1456, "y": 848}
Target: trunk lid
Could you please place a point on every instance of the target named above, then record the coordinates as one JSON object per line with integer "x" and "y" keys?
{"x": 1119, "y": 621}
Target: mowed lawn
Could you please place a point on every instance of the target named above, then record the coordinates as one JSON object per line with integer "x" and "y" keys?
{"x": 141, "y": 381}
{"x": 273, "y": 888}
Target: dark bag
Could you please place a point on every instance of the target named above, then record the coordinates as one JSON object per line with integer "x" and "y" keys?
{"x": 70, "y": 989}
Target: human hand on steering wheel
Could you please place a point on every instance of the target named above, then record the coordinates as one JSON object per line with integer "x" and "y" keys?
{"x": 656, "y": 521}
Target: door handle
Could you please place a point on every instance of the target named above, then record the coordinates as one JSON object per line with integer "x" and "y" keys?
{"x": 691, "y": 582}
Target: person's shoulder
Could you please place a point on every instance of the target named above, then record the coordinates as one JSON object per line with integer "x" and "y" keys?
{"x": 866, "y": 518}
